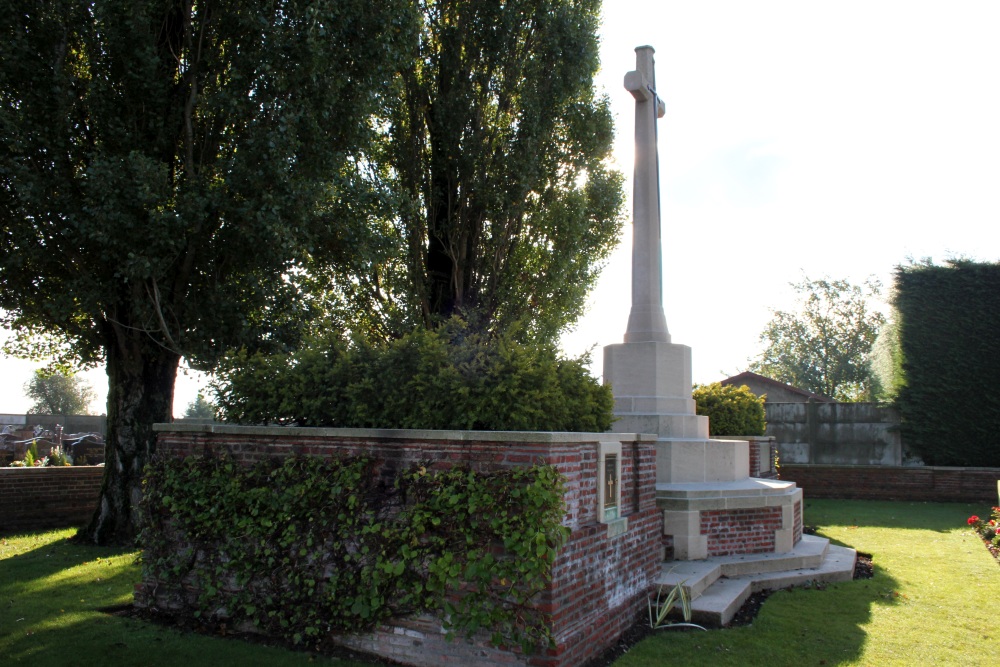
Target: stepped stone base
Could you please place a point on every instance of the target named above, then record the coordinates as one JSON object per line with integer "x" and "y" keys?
{"x": 701, "y": 460}
{"x": 718, "y": 587}
{"x": 652, "y": 386}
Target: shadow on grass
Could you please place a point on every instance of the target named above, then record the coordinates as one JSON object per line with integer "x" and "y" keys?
{"x": 815, "y": 625}
{"x": 100, "y": 639}
{"x": 811, "y": 625}
{"x": 53, "y": 596}
{"x": 51, "y": 557}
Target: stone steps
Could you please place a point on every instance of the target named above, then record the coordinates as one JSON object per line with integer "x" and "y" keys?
{"x": 718, "y": 587}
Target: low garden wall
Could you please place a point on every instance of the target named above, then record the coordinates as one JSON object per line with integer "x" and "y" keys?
{"x": 912, "y": 483}
{"x": 600, "y": 577}
{"x": 48, "y": 497}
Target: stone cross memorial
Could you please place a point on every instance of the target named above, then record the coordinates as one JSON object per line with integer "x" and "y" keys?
{"x": 725, "y": 533}
{"x": 651, "y": 380}
{"x": 646, "y": 321}
{"x": 650, "y": 376}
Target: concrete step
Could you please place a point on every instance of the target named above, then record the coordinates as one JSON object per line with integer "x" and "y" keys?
{"x": 718, "y": 587}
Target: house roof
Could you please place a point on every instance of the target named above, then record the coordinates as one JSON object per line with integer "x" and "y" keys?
{"x": 747, "y": 377}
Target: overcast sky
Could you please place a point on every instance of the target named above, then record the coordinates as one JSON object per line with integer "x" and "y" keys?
{"x": 801, "y": 138}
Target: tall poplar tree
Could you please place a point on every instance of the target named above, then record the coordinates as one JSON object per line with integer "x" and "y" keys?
{"x": 166, "y": 169}
{"x": 494, "y": 157}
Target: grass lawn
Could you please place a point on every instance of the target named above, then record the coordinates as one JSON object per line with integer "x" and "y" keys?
{"x": 50, "y": 594}
{"x": 932, "y": 601}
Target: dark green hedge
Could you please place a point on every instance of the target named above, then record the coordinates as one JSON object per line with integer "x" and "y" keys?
{"x": 949, "y": 393}
{"x": 448, "y": 378}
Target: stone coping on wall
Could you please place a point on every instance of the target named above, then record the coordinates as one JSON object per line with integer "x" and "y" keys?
{"x": 542, "y": 437}
{"x": 741, "y": 494}
{"x": 751, "y": 486}
{"x": 840, "y": 466}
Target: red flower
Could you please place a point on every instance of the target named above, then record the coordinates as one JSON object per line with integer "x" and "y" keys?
{"x": 972, "y": 519}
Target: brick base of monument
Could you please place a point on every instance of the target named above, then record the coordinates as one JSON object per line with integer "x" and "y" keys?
{"x": 600, "y": 580}
{"x": 746, "y": 531}
{"x": 751, "y": 516}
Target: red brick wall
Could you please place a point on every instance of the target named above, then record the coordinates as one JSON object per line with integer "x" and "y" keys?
{"x": 762, "y": 463}
{"x": 797, "y": 529}
{"x": 740, "y": 531}
{"x": 49, "y": 497}
{"x": 925, "y": 483}
{"x": 599, "y": 584}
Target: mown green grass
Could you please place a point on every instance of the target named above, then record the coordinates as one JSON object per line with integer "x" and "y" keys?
{"x": 933, "y": 601}
{"x": 51, "y": 594}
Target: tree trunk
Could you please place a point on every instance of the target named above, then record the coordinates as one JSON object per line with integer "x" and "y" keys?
{"x": 141, "y": 379}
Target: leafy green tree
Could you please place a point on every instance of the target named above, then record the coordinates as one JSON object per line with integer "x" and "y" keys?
{"x": 167, "y": 167}
{"x": 59, "y": 393}
{"x": 200, "y": 408}
{"x": 825, "y": 346}
{"x": 494, "y": 159}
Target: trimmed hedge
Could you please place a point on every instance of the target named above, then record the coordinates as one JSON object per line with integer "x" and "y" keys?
{"x": 447, "y": 378}
{"x": 949, "y": 393}
{"x": 730, "y": 410}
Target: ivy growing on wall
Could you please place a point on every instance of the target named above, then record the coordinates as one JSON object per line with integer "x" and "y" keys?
{"x": 948, "y": 319}
{"x": 304, "y": 547}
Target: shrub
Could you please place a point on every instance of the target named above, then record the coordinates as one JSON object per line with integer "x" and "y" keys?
{"x": 730, "y": 410}
{"x": 447, "y": 378}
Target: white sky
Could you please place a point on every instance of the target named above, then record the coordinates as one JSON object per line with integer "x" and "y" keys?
{"x": 801, "y": 138}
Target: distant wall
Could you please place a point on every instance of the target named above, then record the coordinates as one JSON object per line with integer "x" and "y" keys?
{"x": 913, "y": 483}
{"x": 50, "y": 497}
{"x": 70, "y": 423}
{"x": 835, "y": 433}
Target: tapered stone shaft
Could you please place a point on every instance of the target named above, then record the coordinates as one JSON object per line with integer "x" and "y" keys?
{"x": 646, "y": 321}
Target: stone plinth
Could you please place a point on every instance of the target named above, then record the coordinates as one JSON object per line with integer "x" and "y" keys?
{"x": 748, "y": 516}
{"x": 680, "y": 461}
{"x": 652, "y": 386}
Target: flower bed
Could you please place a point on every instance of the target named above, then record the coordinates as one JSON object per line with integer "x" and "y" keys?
{"x": 989, "y": 530}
